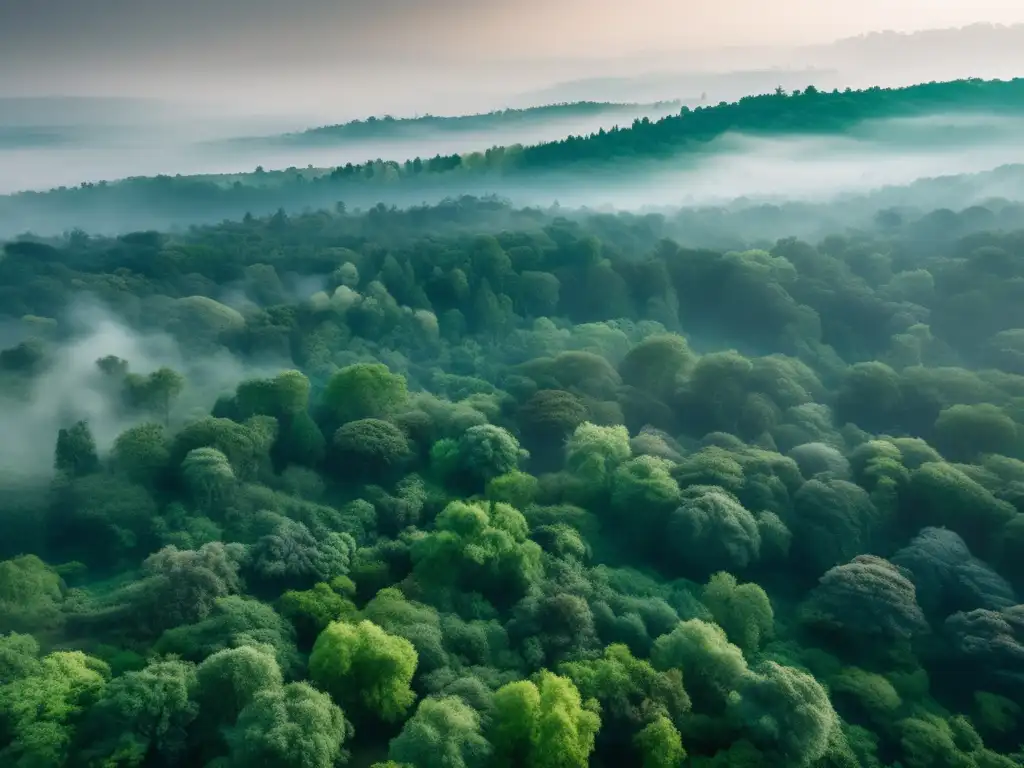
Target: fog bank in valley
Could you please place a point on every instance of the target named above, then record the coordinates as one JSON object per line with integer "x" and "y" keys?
{"x": 45, "y": 146}
{"x": 818, "y": 168}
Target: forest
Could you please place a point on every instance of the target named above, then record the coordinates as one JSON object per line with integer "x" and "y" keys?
{"x": 389, "y": 127}
{"x": 477, "y": 486}
{"x": 608, "y": 158}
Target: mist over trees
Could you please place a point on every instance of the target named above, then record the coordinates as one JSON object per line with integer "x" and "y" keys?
{"x": 474, "y": 484}
{"x": 390, "y": 127}
{"x": 620, "y": 166}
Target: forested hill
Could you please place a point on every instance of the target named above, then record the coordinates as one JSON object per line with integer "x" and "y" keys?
{"x": 169, "y": 201}
{"x": 389, "y": 127}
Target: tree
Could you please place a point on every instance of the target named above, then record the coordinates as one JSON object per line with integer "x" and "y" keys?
{"x": 182, "y": 586}
{"x": 156, "y": 392}
{"x": 832, "y": 521}
{"x": 101, "y": 519}
{"x": 633, "y": 696}
{"x": 517, "y": 489}
{"x": 867, "y": 597}
{"x": 443, "y": 732}
{"x": 368, "y": 448}
{"x": 742, "y": 610}
{"x": 817, "y": 459}
{"x": 657, "y": 365}
{"x": 30, "y": 595}
{"x": 19, "y": 657}
{"x": 870, "y": 396}
{"x": 364, "y": 391}
{"x": 234, "y": 621}
{"x": 144, "y": 713}
{"x": 786, "y": 713}
{"x": 963, "y": 432}
{"x": 546, "y": 418}
{"x": 710, "y": 531}
{"x": 543, "y": 724}
{"x": 486, "y": 451}
{"x": 290, "y": 556}
{"x": 947, "y": 578}
{"x": 247, "y": 446}
{"x": 38, "y": 710}
{"x": 942, "y": 495}
{"x": 76, "y": 450}
{"x": 418, "y": 623}
{"x": 479, "y": 548}
{"x": 713, "y": 666}
{"x": 660, "y": 744}
{"x": 294, "y": 726}
{"x": 538, "y": 294}
{"x": 593, "y": 453}
{"x": 229, "y": 680}
{"x": 142, "y": 452}
{"x": 208, "y": 475}
{"x": 365, "y": 668}
{"x": 313, "y": 609}
{"x": 643, "y": 495}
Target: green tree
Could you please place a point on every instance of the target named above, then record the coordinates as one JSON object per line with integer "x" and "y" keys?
{"x": 365, "y": 669}
{"x": 76, "y": 450}
{"x": 364, "y": 391}
{"x": 368, "y": 448}
{"x": 142, "y": 452}
{"x": 543, "y": 724}
{"x": 229, "y": 680}
{"x": 658, "y": 365}
{"x": 742, "y": 610}
{"x": 313, "y": 609}
{"x": 786, "y": 713}
{"x": 30, "y": 595}
{"x": 712, "y": 530}
{"x": 144, "y": 714}
{"x": 632, "y": 694}
{"x": 156, "y": 392}
{"x": 443, "y": 732}
{"x": 713, "y": 666}
{"x": 294, "y": 726}
{"x": 208, "y": 475}
{"x": 593, "y": 453}
{"x": 486, "y": 451}
{"x": 660, "y": 744}
{"x": 38, "y": 711}
{"x": 963, "y": 432}
{"x": 479, "y": 548}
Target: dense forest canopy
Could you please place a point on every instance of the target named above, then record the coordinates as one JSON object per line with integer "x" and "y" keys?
{"x": 605, "y": 160}
{"x": 474, "y": 485}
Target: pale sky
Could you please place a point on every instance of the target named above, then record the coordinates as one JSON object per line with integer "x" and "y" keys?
{"x": 167, "y": 47}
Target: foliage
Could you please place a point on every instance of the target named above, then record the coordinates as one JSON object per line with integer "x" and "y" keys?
{"x": 365, "y": 668}
{"x": 544, "y": 487}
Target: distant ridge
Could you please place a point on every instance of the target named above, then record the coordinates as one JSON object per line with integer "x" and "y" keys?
{"x": 607, "y": 156}
{"x": 390, "y": 127}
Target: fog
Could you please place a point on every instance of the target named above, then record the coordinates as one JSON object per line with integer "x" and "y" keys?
{"x": 887, "y": 59}
{"x": 184, "y": 129}
{"x": 73, "y": 388}
{"x": 814, "y": 168}
{"x": 805, "y": 168}
{"x": 65, "y": 143}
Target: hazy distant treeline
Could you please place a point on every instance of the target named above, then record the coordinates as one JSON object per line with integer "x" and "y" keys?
{"x": 687, "y": 137}
{"x": 389, "y": 127}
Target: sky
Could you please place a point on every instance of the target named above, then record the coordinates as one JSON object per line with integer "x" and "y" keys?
{"x": 344, "y": 49}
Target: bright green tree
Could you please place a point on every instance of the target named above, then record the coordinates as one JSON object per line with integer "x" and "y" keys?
{"x": 365, "y": 668}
